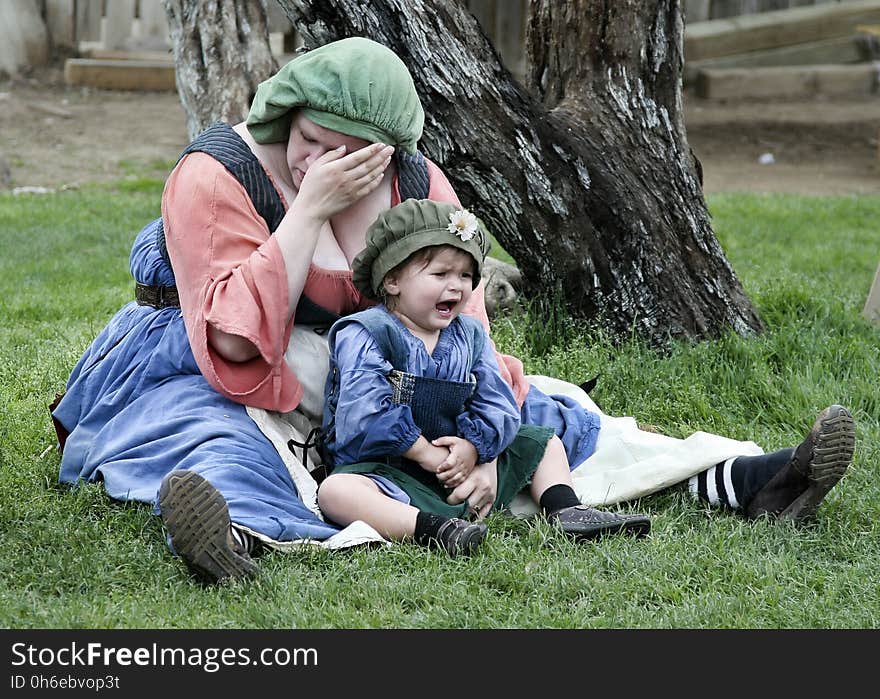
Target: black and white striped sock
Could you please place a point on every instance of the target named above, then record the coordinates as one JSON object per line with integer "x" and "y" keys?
{"x": 243, "y": 539}
{"x": 733, "y": 483}
{"x": 715, "y": 485}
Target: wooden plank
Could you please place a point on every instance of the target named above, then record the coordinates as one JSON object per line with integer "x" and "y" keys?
{"x": 843, "y": 50}
{"x": 118, "y": 23}
{"x": 769, "y": 30}
{"x": 786, "y": 82}
{"x": 871, "y": 311}
{"x": 120, "y": 75}
{"x": 126, "y": 55}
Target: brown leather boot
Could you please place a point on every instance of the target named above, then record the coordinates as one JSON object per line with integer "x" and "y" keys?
{"x": 817, "y": 464}
{"x": 197, "y": 519}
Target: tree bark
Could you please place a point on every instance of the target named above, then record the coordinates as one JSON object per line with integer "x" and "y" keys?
{"x": 586, "y": 177}
{"x": 221, "y": 54}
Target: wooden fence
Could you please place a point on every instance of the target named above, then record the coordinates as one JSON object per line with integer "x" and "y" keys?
{"x": 120, "y": 24}
{"x": 701, "y": 10}
{"x": 112, "y": 24}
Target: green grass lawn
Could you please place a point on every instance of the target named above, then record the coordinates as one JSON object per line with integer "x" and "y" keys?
{"x": 75, "y": 559}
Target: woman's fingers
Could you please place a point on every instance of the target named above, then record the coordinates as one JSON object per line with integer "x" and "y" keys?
{"x": 367, "y": 173}
{"x": 336, "y": 180}
{"x": 358, "y": 167}
{"x": 359, "y": 173}
{"x": 370, "y": 184}
{"x": 330, "y": 156}
{"x": 461, "y": 493}
{"x": 364, "y": 162}
{"x": 376, "y": 152}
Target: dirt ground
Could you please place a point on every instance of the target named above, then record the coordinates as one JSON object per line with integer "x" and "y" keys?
{"x": 53, "y": 136}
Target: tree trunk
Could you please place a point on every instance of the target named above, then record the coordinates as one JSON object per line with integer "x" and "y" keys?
{"x": 586, "y": 178}
{"x": 221, "y": 54}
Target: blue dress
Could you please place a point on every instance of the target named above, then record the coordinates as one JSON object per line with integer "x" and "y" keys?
{"x": 137, "y": 407}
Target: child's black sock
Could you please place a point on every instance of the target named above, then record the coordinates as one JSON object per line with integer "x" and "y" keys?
{"x": 558, "y": 496}
{"x": 427, "y": 527}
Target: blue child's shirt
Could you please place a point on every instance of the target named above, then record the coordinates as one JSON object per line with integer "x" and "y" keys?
{"x": 370, "y": 426}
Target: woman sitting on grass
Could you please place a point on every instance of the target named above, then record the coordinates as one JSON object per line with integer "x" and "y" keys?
{"x": 260, "y": 224}
{"x": 415, "y": 398}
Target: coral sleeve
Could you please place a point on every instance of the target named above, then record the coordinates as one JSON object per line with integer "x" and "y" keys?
{"x": 230, "y": 273}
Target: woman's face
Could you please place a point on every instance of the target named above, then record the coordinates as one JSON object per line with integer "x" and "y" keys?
{"x": 308, "y": 142}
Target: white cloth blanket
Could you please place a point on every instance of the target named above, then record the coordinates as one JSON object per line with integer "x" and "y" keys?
{"x": 628, "y": 463}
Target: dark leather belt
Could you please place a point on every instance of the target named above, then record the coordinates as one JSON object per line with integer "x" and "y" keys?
{"x": 156, "y": 296}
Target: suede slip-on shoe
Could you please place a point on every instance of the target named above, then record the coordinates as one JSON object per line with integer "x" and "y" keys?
{"x": 459, "y": 537}
{"x": 197, "y": 519}
{"x": 583, "y": 522}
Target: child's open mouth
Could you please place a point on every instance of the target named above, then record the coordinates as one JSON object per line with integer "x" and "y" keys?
{"x": 444, "y": 308}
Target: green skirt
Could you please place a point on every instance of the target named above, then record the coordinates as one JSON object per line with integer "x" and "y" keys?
{"x": 516, "y": 465}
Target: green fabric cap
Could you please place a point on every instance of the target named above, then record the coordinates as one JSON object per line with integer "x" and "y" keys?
{"x": 354, "y": 86}
{"x": 407, "y": 228}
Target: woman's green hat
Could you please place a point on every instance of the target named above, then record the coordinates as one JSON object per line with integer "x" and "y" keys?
{"x": 407, "y": 228}
{"x": 354, "y": 86}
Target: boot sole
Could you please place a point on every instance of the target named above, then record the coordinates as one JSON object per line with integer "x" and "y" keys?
{"x": 197, "y": 519}
{"x": 832, "y": 453}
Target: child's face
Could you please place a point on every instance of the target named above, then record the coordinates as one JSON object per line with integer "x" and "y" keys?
{"x": 428, "y": 297}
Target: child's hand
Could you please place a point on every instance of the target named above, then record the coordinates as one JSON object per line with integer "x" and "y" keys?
{"x": 433, "y": 458}
{"x": 429, "y": 456}
{"x": 460, "y": 462}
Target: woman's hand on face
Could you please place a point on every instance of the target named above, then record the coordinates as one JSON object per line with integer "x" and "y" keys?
{"x": 335, "y": 181}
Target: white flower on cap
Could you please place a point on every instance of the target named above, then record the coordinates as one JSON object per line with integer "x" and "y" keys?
{"x": 463, "y": 223}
